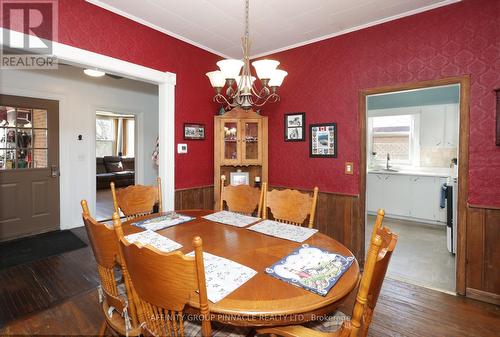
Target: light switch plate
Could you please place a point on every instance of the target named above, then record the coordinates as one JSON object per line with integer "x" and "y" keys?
{"x": 182, "y": 148}
{"x": 349, "y": 167}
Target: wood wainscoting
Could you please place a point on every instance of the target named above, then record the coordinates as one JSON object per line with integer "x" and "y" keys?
{"x": 195, "y": 198}
{"x": 483, "y": 253}
{"x": 337, "y": 215}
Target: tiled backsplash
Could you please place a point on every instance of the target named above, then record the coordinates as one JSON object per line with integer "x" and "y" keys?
{"x": 437, "y": 156}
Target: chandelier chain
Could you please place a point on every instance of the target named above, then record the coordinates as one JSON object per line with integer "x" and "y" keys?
{"x": 247, "y": 20}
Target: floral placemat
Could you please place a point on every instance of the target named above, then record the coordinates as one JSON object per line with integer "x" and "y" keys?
{"x": 149, "y": 237}
{"x": 163, "y": 221}
{"x": 283, "y": 231}
{"x": 311, "y": 268}
{"x": 231, "y": 218}
{"x": 223, "y": 276}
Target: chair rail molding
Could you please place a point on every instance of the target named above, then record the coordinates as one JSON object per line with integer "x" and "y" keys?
{"x": 166, "y": 82}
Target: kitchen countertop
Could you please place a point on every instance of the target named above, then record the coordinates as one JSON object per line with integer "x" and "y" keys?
{"x": 444, "y": 172}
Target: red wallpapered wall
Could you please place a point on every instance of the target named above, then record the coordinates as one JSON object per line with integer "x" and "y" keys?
{"x": 325, "y": 78}
{"x": 89, "y": 27}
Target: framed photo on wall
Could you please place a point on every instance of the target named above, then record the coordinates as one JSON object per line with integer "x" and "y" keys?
{"x": 323, "y": 140}
{"x": 194, "y": 131}
{"x": 295, "y": 127}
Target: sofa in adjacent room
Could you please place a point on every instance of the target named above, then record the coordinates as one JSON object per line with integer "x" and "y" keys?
{"x": 114, "y": 168}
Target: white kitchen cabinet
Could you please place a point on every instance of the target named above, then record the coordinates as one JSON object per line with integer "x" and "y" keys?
{"x": 451, "y": 126}
{"x": 375, "y": 191}
{"x": 424, "y": 201}
{"x": 413, "y": 197}
{"x": 432, "y": 125}
{"x": 398, "y": 190}
{"x": 439, "y": 125}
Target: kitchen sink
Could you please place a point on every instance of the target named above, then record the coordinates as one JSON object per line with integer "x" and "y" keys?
{"x": 384, "y": 170}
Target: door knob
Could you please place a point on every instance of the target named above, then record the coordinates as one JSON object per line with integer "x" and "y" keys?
{"x": 54, "y": 171}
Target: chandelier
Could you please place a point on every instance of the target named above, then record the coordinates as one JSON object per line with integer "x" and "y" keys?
{"x": 237, "y": 77}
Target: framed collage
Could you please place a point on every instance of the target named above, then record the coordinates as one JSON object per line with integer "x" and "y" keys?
{"x": 323, "y": 140}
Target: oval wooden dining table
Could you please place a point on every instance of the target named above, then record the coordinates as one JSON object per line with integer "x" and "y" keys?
{"x": 263, "y": 300}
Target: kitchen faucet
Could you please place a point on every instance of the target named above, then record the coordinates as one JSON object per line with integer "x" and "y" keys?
{"x": 387, "y": 165}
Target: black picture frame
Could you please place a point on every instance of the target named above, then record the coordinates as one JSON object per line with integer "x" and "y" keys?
{"x": 295, "y": 127}
{"x": 323, "y": 140}
{"x": 194, "y": 131}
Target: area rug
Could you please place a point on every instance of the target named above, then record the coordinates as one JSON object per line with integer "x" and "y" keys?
{"x": 37, "y": 247}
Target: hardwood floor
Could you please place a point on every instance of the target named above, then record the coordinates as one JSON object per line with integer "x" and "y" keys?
{"x": 38, "y": 285}
{"x": 63, "y": 302}
{"x": 104, "y": 205}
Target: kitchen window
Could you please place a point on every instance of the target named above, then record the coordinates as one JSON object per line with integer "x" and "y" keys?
{"x": 396, "y": 135}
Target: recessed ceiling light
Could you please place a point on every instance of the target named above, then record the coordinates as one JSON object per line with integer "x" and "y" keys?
{"x": 94, "y": 72}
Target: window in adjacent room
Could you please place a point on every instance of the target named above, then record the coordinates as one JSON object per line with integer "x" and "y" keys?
{"x": 105, "y": 136}
{"x": 395, "y": 135}
{"x": 130, "y": 137}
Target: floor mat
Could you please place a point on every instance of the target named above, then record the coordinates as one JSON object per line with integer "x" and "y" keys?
{"x": 37, "y": 247}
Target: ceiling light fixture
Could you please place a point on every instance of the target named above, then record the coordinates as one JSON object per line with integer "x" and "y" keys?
{"x": 94, "y": 72}
{"x": 240, "y": 88}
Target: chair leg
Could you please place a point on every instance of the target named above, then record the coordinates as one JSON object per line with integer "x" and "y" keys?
{"x": 102, "y": 330}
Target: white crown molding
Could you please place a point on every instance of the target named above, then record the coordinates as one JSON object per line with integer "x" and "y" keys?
{"x": 153, "y": 26}
{"x": 353, "y": 29}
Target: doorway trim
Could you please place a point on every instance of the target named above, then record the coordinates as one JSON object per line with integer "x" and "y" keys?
{"x": 463, "y": 164}
{"x": 166, "y": 82}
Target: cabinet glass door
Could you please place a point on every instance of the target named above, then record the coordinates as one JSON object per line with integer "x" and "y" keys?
{"x": 251, "y": 141}
{"x": 230, "y": 140}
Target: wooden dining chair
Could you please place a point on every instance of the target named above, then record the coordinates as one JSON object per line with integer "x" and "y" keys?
{"x": 164, "y": 284}
{"x": 242, "y": 199}
{"x": 137, "y": 200}
{"x": 112, "y": 295}
{"x": 382, "y": 245}
{"x": 291, "y": 206}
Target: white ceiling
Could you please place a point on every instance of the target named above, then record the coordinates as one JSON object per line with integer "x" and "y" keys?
{"x": 217, "y": 25}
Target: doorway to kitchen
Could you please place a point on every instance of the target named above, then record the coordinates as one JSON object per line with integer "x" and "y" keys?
{"x": 412, "y": 167}
{"x": 115, "y": 145}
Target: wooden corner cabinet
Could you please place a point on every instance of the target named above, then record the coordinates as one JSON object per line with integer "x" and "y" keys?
{"x": 240, "y": 143}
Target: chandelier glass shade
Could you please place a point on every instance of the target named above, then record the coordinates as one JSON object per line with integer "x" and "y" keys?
{"x": 236, "y": 76}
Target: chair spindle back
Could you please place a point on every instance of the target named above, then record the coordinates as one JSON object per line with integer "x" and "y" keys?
{"x": 165, "y": 283}
{"x": 137, "y": 200}
{"x": 242, "y": 199}
{"x": 291, "y": 206}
